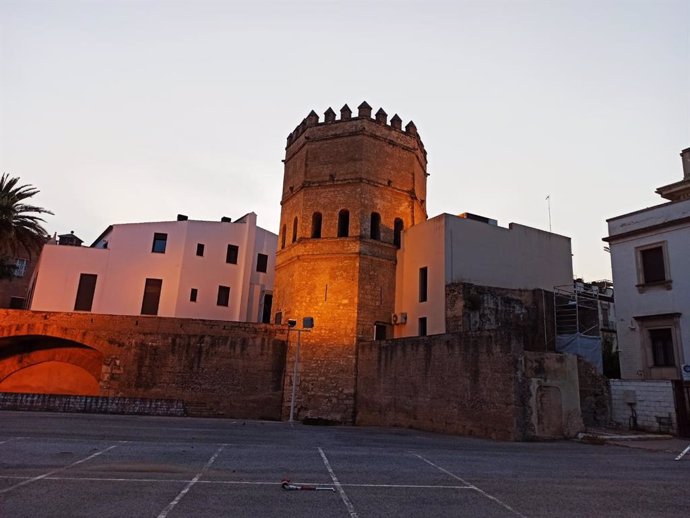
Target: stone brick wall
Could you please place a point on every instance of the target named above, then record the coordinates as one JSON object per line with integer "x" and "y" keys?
{"x": 595, "y": 395}
{"x": 525, "y": 316}
{"x": 443, "y": 383}
{"x": 347, "y": 284}
{"x": 216, "y": 368}
{"x": 654, "y": 399}
{"x": 90, "y": 404}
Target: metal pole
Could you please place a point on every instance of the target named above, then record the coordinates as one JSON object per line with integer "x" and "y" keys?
{"x": 294, "y": 378}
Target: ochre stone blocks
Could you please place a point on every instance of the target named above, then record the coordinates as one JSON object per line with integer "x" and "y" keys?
{"x": 346, "y": 283}
{"x": 215, "y": 368}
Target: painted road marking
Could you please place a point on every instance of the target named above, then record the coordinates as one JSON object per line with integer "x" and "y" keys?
{"x": 471, "y": 486}
{"x": 233, "y": 482}
{"x": 189, "y": 485}
{"x": 34, "y": 479}
{"x": 338, "y": 486}
{"x": 11, "y": 439}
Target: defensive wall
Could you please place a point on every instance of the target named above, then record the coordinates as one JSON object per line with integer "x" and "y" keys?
{"x": 471, "y": 384}
{"x": 214, "y": 368}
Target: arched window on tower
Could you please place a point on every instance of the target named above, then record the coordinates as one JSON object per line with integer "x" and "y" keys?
{"x": 316, "y": 220}
{"x": 344, "y": 223}
{"x": 375, "y": 227}
{"x": 397, "y": 231}
{"x": 282, "y": 237}
{"x": 294, "y": 229}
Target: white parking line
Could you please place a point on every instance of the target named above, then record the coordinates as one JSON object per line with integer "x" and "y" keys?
{"x": 234, "y": 482}
{"x": 186, "y": 489}
{"x": 34, "y": 479}
{"x": 471, "y": 486}
{"x": 338, "y": 486}
{"x": 11, "y": 439}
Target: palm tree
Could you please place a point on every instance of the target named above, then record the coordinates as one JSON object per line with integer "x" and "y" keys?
{"x": 21, "y": 226}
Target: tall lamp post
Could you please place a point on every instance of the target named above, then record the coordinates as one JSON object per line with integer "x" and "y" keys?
{"x": 307, "y": 325}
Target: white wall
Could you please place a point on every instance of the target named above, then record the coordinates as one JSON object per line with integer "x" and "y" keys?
{"x": 462, "y": 250}
{"x": 654, "y": 398}
{"x": 125, "y": 265}
{"x": 630, "y": 302}
{"x": 422, "y": 245}
{"x": 517, "y": 257}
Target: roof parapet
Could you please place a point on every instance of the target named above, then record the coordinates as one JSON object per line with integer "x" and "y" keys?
{"x": 364, "y": 112}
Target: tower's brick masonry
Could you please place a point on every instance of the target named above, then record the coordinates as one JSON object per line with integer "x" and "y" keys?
{"x": 363, "y": 165}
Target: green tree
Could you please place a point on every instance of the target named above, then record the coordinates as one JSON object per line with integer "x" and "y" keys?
{"x": 21, "y": 228}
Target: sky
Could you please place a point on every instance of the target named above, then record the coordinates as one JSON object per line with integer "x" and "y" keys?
{"x": 127, "y": 111}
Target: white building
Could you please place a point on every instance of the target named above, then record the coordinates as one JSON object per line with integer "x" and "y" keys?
{"x": 187, "y": 269}
{"x": 650, "y": 259}
{"x": 451, "y": 249}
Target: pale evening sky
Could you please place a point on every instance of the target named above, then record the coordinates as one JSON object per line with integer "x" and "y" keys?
{"x": 126, "y": 111}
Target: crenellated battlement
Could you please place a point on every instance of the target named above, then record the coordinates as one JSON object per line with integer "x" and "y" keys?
{"x": 364, "y": 113}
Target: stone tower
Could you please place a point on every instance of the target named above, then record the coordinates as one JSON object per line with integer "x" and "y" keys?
{"x": 351, "y": 185}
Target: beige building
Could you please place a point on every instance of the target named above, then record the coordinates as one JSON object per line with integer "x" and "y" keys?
{"x": 471, "y": 249}
{"x": 188, "y": 269}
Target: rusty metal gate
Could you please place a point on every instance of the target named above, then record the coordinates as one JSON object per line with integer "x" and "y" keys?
{"x": 681, "y": 394}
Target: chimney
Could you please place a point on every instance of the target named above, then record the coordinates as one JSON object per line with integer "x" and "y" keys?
{"x": 685, "y": 157}
{"x": 225, "y": 219}
{"x": 182, "y": 217}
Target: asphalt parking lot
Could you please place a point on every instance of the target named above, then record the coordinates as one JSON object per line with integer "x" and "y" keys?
{"x": 74, "y": 465}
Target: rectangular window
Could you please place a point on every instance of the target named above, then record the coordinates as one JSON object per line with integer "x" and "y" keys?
{"x": 232, "y": 253}
{"x": 159, "y": 242}
{"x": 662, "y": 347}
{"x": 200, "y": 249}
{"x": 85, "y": 291}
{"x": 20, "y": 267}
{"x": 653, "y": 268}
{"x": 223, "y": 296}
{"x": 379, "y": 331}
{"x": 278, "y": 320}
{"x": 422, "y": 326}
{"x": 261, "y": 263}
{"x": 423, "y": 275}
{"x": 192, "y": 295}
{"x": 152, "y": 296}
{"x": 268, "y": 306}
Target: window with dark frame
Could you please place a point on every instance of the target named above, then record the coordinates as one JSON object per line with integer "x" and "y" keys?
{"x": 423, "y": 277}
{"x": 200, "y": 249}
{"x": 152, "y": 296}
{"x": 653, "y": 267}
{"x": 662, "y": 347}
{"x": 294, "y": 230}
{"x": 159, "y": 243}
{"x": 422, "y": 326}
{"x": 85, "y": 292}
{"x": 344, "y": 223}
{"x": 268, "y": 305}
{"x": 397, "y": 231}
{"x": 261, "y": 263}
{"x": 282, "y": 237}
{"x": 316, "y": 221}
{"x": 193, "y": 294}
{"x": 278, "y": 320}
{"x": 375, "y": 227}
{"x": 231, "y": 254}
{"x": 380, "y": 331}
{"x": 223, "y": 296}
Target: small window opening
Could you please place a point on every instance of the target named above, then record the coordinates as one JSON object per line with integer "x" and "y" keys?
{"x": 375, "y": 230}
{"x": 344, "y": 223}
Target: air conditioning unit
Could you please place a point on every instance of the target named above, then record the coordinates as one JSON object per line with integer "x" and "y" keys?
{"x": 399, "y": 318}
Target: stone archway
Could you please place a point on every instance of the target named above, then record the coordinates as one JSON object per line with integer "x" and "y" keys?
{"x": 49, "y": 365}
